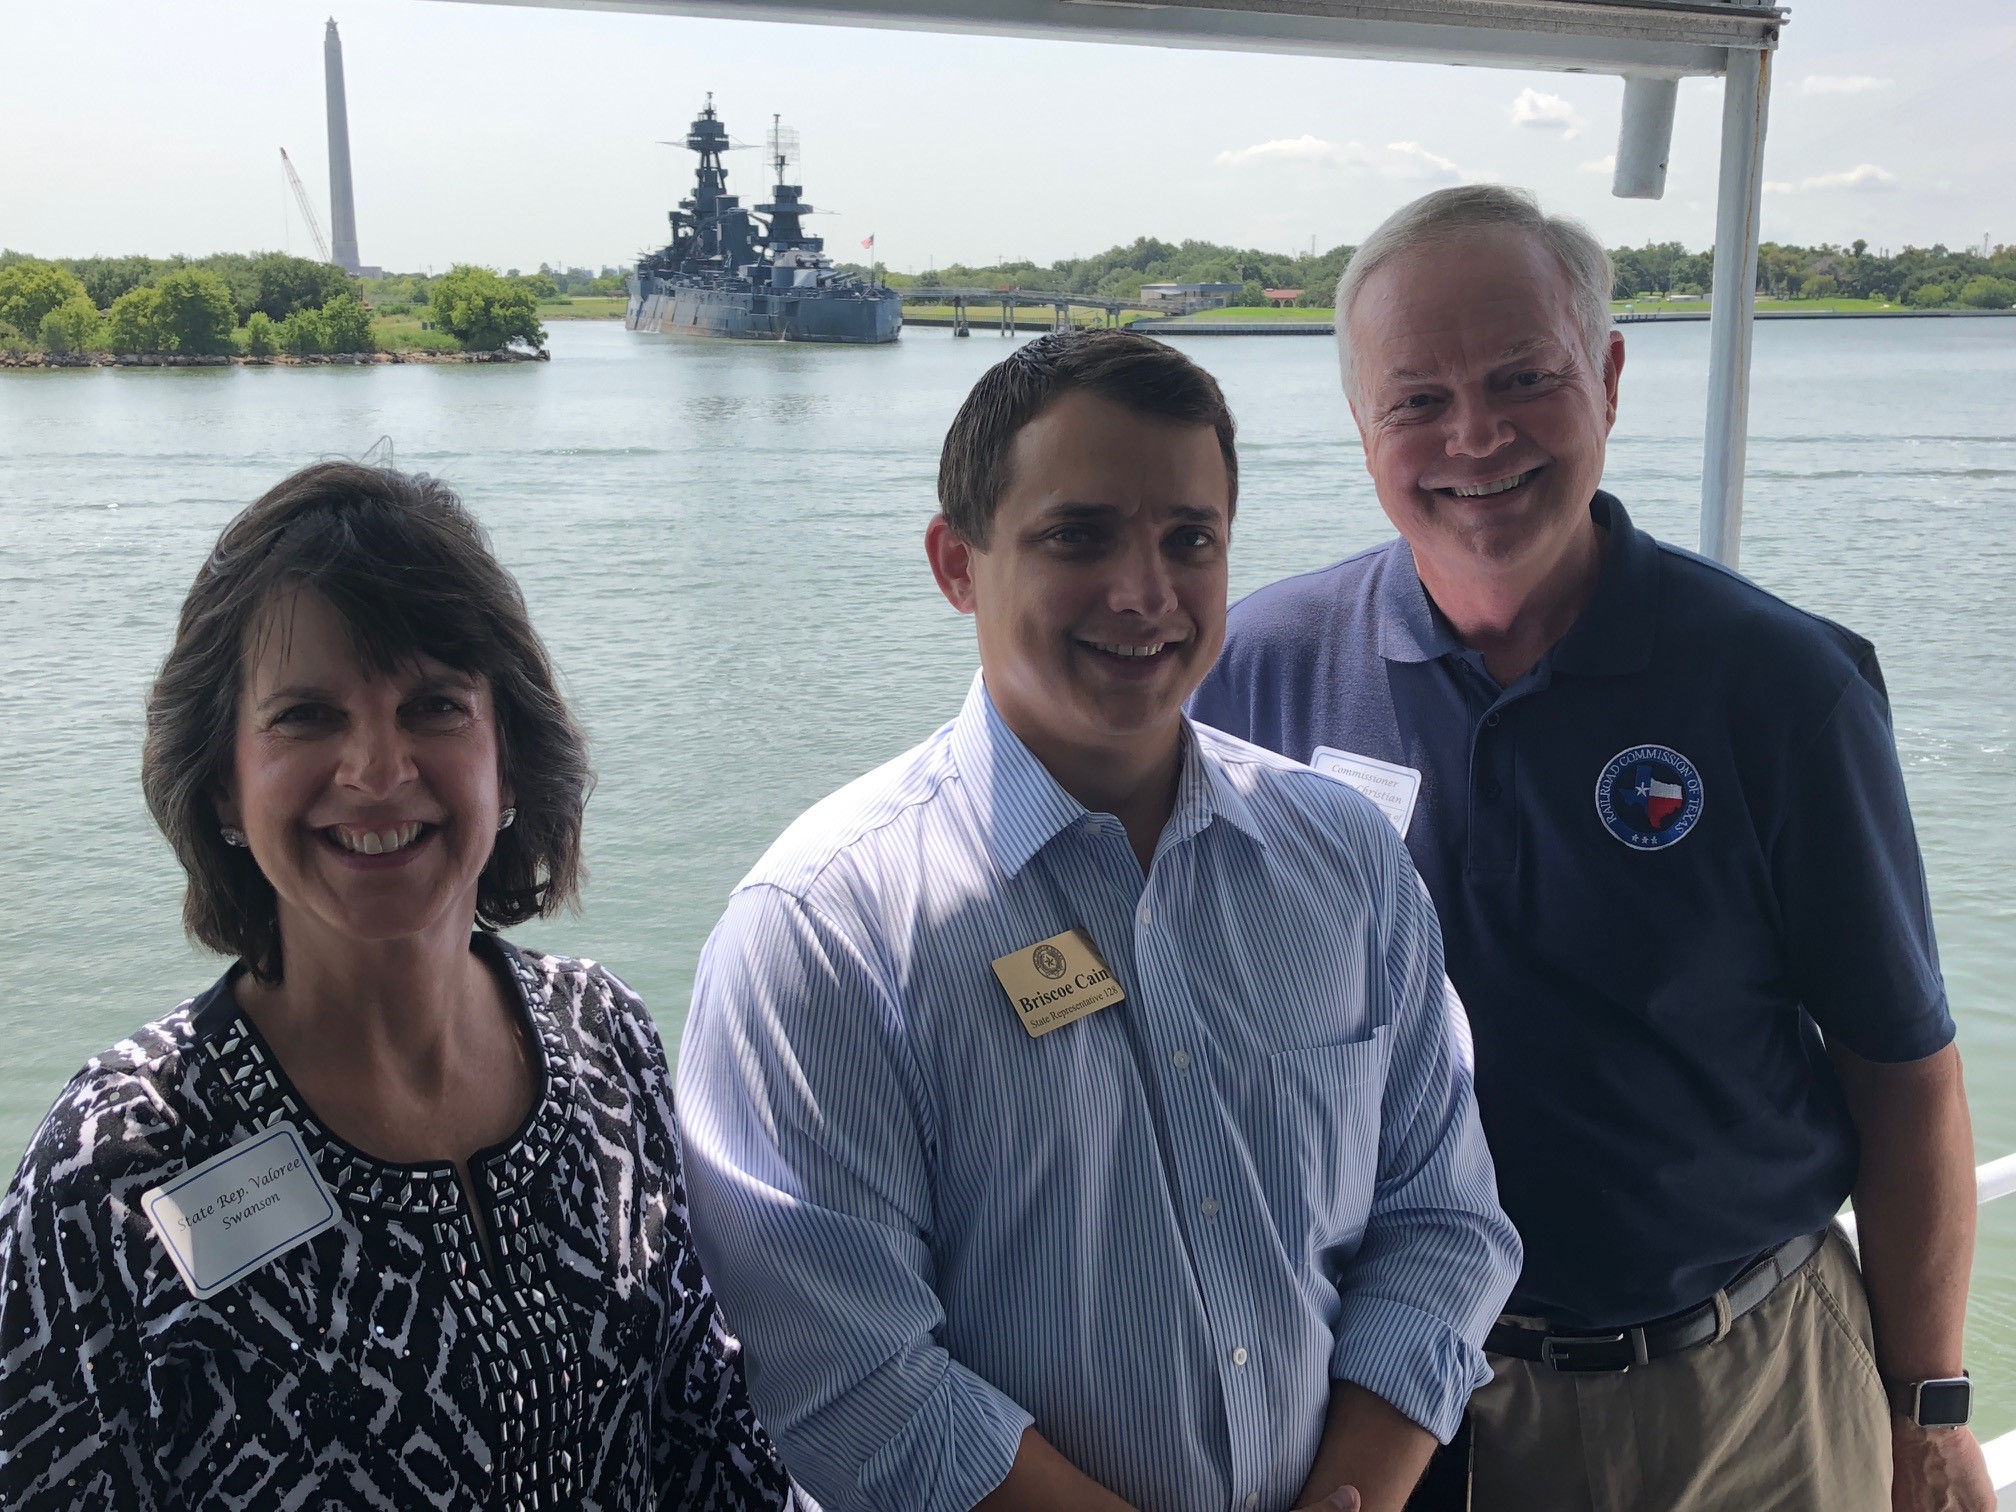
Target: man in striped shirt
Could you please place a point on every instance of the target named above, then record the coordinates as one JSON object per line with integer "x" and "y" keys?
{"x": 1076, "y": 1113}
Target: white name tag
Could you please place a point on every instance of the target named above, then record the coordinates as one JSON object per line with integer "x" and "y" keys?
{"x": 223, "y": 1219}
{"x": 1392, "y": 788}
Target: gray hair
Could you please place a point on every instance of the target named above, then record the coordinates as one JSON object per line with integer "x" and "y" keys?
{"x": 1446, "y": 212}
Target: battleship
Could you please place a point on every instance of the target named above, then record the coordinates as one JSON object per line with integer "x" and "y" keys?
{"x": 728, "y": 273}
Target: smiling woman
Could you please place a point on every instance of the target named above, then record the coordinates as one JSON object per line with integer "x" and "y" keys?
{"x": 351, "y": 584}
{"x": 389, "y": 1168}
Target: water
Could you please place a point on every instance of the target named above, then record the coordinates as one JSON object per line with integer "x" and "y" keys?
{"x": 723, "y": 546}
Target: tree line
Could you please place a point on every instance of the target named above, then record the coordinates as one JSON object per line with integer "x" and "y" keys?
{"x": 1926, "y": 278}
{"x": 257, "y": 304}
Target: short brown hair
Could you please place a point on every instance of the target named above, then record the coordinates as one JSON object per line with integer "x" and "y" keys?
{"x": 409, "y": 569}
{"x": 1123, "y": 366}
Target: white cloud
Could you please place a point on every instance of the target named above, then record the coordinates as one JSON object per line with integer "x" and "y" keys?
{"x": 1546, "y": 112}
{"x": 1416, "y": 161}
{"x": 1598, "y": 165}
{"x": 1823, "y": 84}
{"x": 1863, "y": 177}
{"x": 1398, "y": 160}
{"x": 1302, "y": 149}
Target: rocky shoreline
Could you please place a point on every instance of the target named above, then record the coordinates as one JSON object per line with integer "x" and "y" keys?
{"x": 339, "y": 359}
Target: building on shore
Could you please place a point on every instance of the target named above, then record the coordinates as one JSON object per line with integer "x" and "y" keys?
{"x": 1156, "y": 293}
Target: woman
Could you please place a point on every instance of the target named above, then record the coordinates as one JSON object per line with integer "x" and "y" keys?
{"x": 358, "y": 753}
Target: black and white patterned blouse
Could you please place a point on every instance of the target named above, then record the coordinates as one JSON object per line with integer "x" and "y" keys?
{"x": 389, "y": 1362}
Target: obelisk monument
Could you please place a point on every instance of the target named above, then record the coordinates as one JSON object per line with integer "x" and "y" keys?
{"x": 342, "y": 202}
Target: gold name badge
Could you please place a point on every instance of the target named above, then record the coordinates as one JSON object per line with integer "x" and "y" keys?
{"x": 1057, "y": 982}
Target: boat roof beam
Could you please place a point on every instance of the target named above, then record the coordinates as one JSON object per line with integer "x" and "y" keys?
{"x": 1652, "y": 38}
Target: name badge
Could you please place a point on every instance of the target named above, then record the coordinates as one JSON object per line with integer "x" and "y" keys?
{"x": 1391, "y": 788}
{"x": 1057, "y": 982}
{"x": 225, "y": 1218}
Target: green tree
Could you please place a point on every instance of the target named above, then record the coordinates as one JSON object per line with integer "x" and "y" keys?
{"x": 262, "y": 336}
{"x": 304, "y": 333}
{"x": 195, "y": 312}
{"x": 1985, "y": 293}
{"x": 280, "y": 284}
{"x": 346, "y": 326}
{"x": 31, "y": 288}
{"x": 133, "y": 324}
{"x": 1931, "y": 296}
{"x": 542, "y": 284}
{"x": 483, "y": 311}
{"x": 106, "y": 278}
{"x": 73, "y": 326}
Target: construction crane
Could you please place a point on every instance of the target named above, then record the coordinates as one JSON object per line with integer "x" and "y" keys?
{"x": 307, "y": 210}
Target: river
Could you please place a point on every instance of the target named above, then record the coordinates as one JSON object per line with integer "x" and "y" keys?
{"x": 722, "y": 546}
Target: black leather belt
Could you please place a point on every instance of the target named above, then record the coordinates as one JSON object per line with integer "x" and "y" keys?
{"x": 1622, "y": 1348}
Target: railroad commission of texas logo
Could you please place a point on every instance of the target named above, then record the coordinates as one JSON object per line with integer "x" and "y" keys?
{"x": 1049, "y": 960}
{"x": 1649, "y": 796}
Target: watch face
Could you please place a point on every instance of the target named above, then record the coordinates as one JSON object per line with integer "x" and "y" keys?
{"x": 1945, "y": 1404}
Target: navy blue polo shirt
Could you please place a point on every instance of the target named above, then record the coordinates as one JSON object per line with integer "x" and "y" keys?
{"x": 1667, "y": 860}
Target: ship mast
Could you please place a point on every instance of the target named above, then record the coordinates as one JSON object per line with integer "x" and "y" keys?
{"x": 719, "y": 225}
{"x": 787, "y": 207}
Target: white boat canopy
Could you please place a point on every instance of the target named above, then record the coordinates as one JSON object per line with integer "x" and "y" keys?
{"x": 1650, "y": 44}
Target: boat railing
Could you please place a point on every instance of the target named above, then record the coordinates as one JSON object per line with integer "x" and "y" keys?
{"x": 1995, "y": 1179}
{"x": 1998, "y": 1179}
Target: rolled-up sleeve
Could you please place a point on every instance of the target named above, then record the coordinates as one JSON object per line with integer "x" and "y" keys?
{"x": 1439, "y": 1255}
{"x": 808, "y": 1146}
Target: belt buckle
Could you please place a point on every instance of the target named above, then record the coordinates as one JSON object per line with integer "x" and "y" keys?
{"x": 1594, "y": 1353}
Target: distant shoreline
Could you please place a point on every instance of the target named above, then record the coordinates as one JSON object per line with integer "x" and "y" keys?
{"x": 228, "y": 359}
{"x": 1183, "y": 326}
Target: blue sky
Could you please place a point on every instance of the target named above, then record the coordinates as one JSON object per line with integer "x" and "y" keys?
{"x": 513, "y": 135}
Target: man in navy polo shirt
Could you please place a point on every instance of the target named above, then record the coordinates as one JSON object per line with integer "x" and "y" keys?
{"x": 1661, "y": 816}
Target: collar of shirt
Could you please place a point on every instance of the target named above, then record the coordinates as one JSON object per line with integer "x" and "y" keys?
{"x": 1611, "y": 637}
{"x": 1021, "y": 807}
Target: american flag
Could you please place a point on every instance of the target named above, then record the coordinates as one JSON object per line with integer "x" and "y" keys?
{"x": 869, "y": 244}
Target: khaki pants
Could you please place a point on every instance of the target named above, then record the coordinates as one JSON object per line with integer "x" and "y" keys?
{"x": 1785, "y": 1414}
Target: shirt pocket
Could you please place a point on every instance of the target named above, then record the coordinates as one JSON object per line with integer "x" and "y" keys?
{"x": 1324, "y": 1155}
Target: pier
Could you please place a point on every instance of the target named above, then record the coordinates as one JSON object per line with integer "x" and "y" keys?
{"x": 1060, "y": 306}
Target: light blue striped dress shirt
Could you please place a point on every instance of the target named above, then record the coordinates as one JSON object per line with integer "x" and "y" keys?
{"x": 1159, "y": 1232}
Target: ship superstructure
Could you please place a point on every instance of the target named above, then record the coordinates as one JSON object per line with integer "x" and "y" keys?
{"x": 752, "y": 274}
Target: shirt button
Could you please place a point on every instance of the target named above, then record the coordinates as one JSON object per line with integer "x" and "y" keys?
{"x": 1493, "y": 791}
{"x": 1180, "y": 1060}
{"x": 1252, "y": 1501}
{"x": 1209, "y": 1208}
{"x": 1492, "y": 720}
{"x": 1145, "y": 916}
{"x": 1239, "y": 1355}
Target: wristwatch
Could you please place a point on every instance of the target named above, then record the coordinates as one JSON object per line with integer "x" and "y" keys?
{"x": 1944, "y": 1402}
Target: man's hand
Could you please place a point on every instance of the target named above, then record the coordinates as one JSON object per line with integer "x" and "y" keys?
{"x": 1938, "y": 1470}
{"x": 1343, "y": 1499}
{"x": 1914, "y": 1209}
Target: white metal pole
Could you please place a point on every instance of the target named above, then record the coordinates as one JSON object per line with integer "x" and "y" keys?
{"x": 1746, "y": 100}
{"x": 1644, "y": 138}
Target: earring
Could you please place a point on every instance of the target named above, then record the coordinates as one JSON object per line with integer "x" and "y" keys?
{"x": 232, "y": 836}
{"x": 508, "y": 818}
